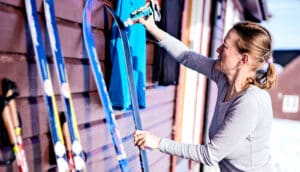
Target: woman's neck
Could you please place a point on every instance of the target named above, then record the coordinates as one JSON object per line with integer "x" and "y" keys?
{"x": 237, "y": 83}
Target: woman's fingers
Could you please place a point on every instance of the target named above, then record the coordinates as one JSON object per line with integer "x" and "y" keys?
{"x": 141, "y": 143}
{"x": 137, "y": 134}
{"x": 141, "y": 20}
{"x": 144, "y": 139}
{"x": 137, "y": 137}
{"x": 139, "y": 140}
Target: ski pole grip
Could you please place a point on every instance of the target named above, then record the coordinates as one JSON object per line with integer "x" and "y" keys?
{"x": 141, "y": 12}
{"x": 156, "y": 10}
{"x": 151, "y": 8}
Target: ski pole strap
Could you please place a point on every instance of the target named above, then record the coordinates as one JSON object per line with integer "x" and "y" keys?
{"x": 10, "y": 158}
{"x": 156, "y": 10}
{"x": 5, "y": 145}
{"x": 9, "y": 85}
{"x": 132, "y": 90}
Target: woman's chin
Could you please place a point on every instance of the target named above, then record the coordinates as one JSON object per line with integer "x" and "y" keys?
{"x": 218, "y": 65}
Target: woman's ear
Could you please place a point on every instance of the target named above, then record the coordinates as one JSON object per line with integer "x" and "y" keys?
{"x": 245, "y": 58}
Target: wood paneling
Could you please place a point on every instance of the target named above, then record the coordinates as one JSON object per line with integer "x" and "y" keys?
{"x": 12, "y": 30}
{"x": 67, "y": 9}
{"x": 15, "y": 35}
{"x": 17, "y": 63}
{"x": 30, "y": 84}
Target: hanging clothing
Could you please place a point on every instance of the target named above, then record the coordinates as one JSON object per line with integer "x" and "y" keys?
{"x": 165, "y": 68}
{"x": 118, "y": 87}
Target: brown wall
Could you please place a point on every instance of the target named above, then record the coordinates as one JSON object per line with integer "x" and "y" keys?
{"x": 286, "y": 92}
{"x": 17, "y": 64}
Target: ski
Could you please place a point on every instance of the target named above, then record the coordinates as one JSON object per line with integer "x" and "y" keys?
{"x": 44, "y": 74}
{"x": 132, "y": 89}
{"x": 101, "y": 87}
{"x": 77, "y": 155}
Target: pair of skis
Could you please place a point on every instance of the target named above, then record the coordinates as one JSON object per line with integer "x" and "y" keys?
{"x": 74, "y": 161}
{"x": 102, "y": 90}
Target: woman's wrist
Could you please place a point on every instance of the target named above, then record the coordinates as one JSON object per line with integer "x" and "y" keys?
{"x": 159, "y": 143}
{"x": 153, "y": 30}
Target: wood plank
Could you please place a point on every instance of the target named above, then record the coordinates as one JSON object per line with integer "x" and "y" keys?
{"x": 34, "y": 114}
{"x": 87, "y": 109}
{"x": 149, "y": 75}
{"x": 68, "y": 10}
{"x": 72, "y": 40}
{"x": 16, "y": 39}
{"x": 150, "y": 53}
{"x": 160, "y": 94}
{"x": 12, "y": 30}
{"x": 107, "y": 156}
{"x": 163, "y": 165}
{"x": 79, "y": 76}
{"x": 154, "y": 116}
{"x": 16, "y": 3}
{"x": 35, "y": 124}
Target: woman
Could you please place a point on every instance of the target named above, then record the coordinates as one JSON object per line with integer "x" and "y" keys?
{"x": 240, "y": 129}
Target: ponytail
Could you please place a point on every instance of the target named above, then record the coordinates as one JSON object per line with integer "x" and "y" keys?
{"x": 263, "y": 79}
{"x": 268, "y": 79}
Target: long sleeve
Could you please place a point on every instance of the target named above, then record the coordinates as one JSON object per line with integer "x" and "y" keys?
{"x": 193, "y": 60}
{"x": 190, "y": 151}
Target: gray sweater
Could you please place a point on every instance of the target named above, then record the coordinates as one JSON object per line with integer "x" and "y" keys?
{"x": 240, "y": 128}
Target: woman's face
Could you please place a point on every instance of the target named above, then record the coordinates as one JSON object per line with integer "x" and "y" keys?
{"x": 229, "y": 58}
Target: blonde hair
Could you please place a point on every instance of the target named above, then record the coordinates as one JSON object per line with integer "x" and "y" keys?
{"x": 257, "y": 42}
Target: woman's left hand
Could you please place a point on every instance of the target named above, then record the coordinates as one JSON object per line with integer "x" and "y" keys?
{"x": 145, "y": 139}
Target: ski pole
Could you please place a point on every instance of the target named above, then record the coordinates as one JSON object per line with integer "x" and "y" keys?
{"x": 12, "y": 124}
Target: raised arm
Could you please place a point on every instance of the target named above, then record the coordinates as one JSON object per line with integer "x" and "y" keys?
{"x": 152, "y": 28}
{"x": 172, "y": 45}
{"x": 179, "y": 51}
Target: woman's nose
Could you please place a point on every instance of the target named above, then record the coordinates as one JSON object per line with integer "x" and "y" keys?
{"x": 219, "y": 49}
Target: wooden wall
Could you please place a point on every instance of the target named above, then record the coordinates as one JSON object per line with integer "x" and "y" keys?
{"x": 17, "y": 63}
